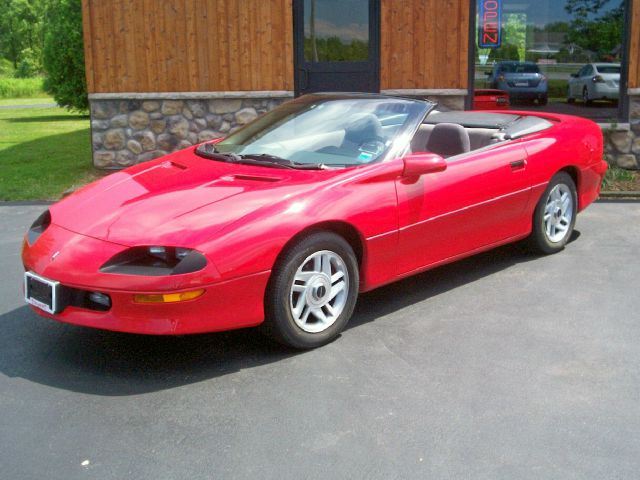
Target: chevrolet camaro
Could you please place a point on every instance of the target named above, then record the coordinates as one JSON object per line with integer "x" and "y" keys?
{"x": 284, "y": 222}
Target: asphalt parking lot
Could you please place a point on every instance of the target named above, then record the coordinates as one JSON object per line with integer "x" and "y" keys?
{"x": 502, "y": 366}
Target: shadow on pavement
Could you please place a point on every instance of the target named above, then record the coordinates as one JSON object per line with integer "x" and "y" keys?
{"x": 417, "y": 288}
{"x": 114, "y": 364}
{"x": 48, "y": 118}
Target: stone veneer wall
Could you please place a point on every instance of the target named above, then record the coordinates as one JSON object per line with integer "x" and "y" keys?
{"x": 132, "y": 128}
{"x": 126, "y": 131}
{"x": 622, "y": 144}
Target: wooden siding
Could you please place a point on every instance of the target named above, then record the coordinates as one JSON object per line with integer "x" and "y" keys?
{"x": 424, "y": 44}
{"x": 634, "y": 45}
{"x": 188, "y": 45}
{"x": 247, "y": 45}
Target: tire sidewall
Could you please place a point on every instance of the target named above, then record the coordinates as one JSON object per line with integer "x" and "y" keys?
{"x": 279, "y": 318}
{"x": 541, "y": 241}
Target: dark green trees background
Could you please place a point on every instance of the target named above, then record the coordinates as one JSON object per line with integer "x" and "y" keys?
{"x": 44, "y": 38}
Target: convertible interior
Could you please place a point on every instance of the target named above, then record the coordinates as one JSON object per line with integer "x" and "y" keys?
{"x": 446, "y": 133}
{"x": 455, "y": 133}
{"x": 367, "y": 136}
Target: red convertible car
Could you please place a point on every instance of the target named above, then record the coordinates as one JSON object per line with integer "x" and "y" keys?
{"x": 285, "y": 221}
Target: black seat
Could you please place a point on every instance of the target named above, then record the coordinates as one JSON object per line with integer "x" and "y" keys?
{"x": 448, "y": 139}
{"x": 366, "y": 127}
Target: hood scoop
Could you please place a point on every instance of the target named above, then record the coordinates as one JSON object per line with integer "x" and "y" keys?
{"x": 250, "y": 178}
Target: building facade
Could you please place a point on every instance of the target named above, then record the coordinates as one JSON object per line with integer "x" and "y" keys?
{"x": 164, "y": 75}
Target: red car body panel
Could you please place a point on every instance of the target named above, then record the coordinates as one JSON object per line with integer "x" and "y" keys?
{"x": 490, "y": 99}
{"x": 242, "y": 218}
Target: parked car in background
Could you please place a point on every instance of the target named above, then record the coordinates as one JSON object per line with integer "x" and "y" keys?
{"x": 595, "y": 81}
{"x": 489, "y": 99}
{"x": 521, "y": 80}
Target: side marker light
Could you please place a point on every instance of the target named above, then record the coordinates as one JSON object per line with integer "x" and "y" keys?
{"x": 167, "y": 297}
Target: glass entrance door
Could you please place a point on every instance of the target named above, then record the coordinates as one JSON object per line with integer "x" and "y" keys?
{"x": 561, "y": 56}
{"x": 337, "y": 45}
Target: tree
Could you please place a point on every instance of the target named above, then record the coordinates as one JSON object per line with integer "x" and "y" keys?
{"x": 64, "y": 54}
{"x": 600, "y": 34}
{"x": 21, "y": 30}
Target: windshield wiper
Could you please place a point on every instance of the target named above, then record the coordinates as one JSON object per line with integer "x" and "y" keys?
{"x": 208, "y": 150}
{"x": 280, "y": 161}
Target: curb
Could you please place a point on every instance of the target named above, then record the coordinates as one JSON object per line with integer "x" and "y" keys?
{"x": 25, "y": 203}
{"x": 619, "y": 195}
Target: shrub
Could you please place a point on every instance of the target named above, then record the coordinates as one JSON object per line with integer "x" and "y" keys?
{"x": 21, "y": 87}
{"x": 64, "y": 55}
{"x": 29, "y": 64}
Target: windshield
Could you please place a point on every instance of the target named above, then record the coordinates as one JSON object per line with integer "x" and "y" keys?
{"x": 519, "y": 68}
{"x": 608, "y": 69}
{"x": 323, "y": 130}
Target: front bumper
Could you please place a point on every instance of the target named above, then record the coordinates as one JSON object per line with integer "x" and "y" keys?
{"x": 74, "y": 260}
{"x": 224, "y": 306}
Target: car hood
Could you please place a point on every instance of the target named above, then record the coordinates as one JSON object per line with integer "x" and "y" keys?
{"x": 175, "y": 200}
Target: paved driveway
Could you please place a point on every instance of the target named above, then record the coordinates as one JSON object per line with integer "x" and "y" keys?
{"x": 503, "y": 366}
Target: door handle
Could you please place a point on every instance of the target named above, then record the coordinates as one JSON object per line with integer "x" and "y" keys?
{"x": 304, "y": 78}
{"x": 518, "y": 164}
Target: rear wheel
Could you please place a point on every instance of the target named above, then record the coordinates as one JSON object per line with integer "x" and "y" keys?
{"x": 312, "y": 291}
{"x": 543, "y": 101}
{"x": 555, "y": 215}
{"x": 570, "y": 99}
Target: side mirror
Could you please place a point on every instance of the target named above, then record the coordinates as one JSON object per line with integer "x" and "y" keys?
{"x": 574, "y": 75}
{"x": 420, "y": 163}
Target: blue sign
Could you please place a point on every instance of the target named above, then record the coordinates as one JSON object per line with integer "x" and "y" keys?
{"x": 490, "y": 24}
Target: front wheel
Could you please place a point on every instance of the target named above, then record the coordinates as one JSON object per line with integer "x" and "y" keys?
{"x": 312, "y": 291}
{"x": 555, "y": 215}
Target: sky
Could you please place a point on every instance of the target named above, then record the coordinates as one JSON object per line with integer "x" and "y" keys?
{"x": 348, "y": 18}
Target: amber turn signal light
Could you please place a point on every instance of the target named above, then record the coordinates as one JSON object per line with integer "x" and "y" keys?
{"x": 167, "y": 297}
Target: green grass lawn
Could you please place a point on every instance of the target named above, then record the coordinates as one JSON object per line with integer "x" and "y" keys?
{"x": 43, "y": 153}
{"x": 41, "y": 98}
{"x": 21, "y": 87}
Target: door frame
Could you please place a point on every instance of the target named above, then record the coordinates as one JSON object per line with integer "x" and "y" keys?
{"x": 298, "y": 43}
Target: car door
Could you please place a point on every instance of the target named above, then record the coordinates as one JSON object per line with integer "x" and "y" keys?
{"x": 576, "y": 89}
{"x": 585, "y": 79}
{"x": 478, "y": 201}
{"x": 573, "y": 83}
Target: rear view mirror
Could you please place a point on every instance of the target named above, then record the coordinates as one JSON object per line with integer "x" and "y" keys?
{"x": 420, "y": 163}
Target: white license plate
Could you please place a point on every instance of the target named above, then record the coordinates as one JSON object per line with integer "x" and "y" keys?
{"x": 41, "y": 292}
{"x": 522, "y": 84}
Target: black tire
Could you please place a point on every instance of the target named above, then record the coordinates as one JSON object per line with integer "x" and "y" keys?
{"x": 540, "y": 241}
{"x": 585, "y": 97}
{"x": 543, "y": 101}
{"x": 279, "y": 321}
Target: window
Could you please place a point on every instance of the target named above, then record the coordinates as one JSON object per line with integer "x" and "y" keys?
{"x": 336, "y": 30}
{"x": 560, "y": 56}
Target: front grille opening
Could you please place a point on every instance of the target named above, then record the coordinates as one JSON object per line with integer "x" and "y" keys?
{"x": 75, "y": 297}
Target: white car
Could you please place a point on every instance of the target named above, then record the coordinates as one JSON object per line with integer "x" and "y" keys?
{"x": 595, "y": 81}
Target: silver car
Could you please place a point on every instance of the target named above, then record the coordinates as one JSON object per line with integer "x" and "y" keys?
{"x": 595, "y": 81}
